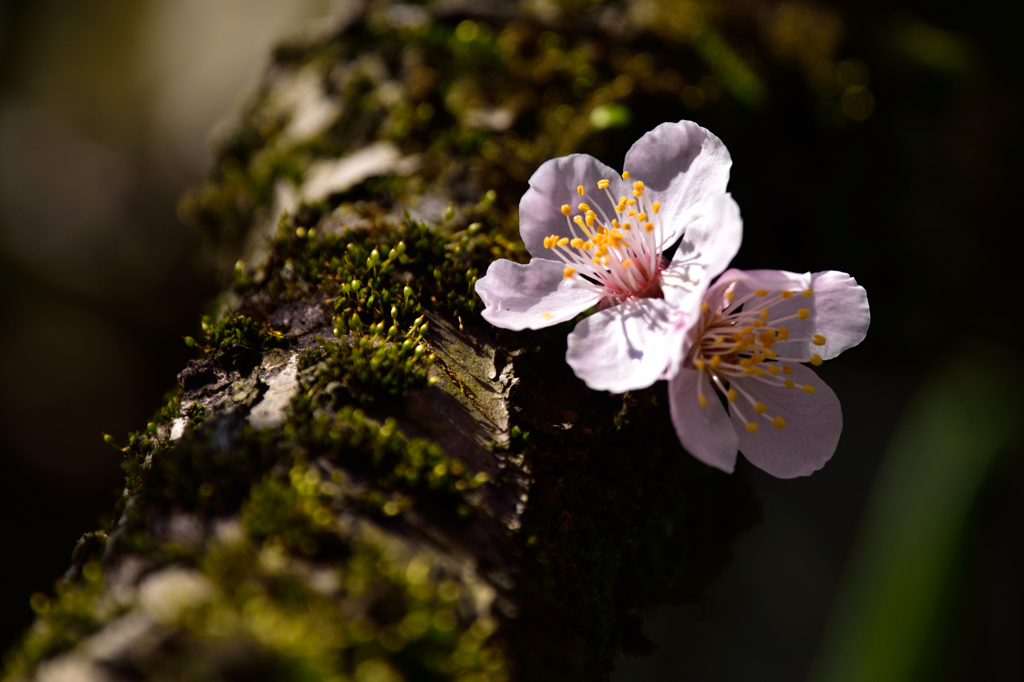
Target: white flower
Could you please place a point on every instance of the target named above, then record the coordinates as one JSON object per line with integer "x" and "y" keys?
{"x": 738, "y": 381}
{"x": 599, "y": 238}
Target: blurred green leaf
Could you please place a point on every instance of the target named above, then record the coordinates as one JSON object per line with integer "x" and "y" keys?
{"x": 961, "y": 419}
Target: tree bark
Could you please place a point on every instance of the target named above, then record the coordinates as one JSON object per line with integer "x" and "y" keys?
{"x": 358, "y": 478}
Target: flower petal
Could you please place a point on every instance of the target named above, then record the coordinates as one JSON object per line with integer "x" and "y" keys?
{"x": 554, "y": 185}
{"x": 809, "y": 438}
{"x": 706, "y": 433}
{"x": 531, "y": 296}
{"x": 624, "y": 347}
{"x": 838, "y": 309}
{"x": 710, "y": 242}
{"x": 686, "y": 166}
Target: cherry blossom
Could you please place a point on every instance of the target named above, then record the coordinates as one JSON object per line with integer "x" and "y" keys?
{"x": 599, "y": 238}
{"x": 740, "y": 382}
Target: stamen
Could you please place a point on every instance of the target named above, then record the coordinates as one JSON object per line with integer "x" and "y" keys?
{"x": 779, "y": 422}
{"x": 819, "y": 340}
{"x": 752, "y": 427}
{"x": 625, "y": 175}
{"x": 760, "y": 407}
{"x": 580, "y": 190}
{"x": 807, "y": 293}
{"x": 566, "y": 209}
{"x": 803, "y": 313}
{"x": 568, "y": 272}
{"x": 602, "y": 184}
{"x": 816, "y": 360}
{"x": 807, "y": 388}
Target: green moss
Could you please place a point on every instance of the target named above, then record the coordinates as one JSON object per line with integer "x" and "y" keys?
{"x": 61, "y": 621}
{"x": 377, "y": 613}
{"x": 235, "y": 329}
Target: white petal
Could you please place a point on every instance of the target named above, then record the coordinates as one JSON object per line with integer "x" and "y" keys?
{"x": 809, "y": 438}
{"x": 838, "y": 309}
{"x": 706, "y": 433}
{"x": 623, "y": 348}
{"x": 685, "y": 166}
{"x": 532, "y": 296}
{"x": 713, "y": 239}
{"x": 553, "y": 186}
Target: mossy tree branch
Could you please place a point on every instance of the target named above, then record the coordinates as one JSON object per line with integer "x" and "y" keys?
{"x": 358, "y": 478}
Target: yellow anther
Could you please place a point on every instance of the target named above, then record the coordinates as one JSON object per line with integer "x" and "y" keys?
{"x": 749, "y": 371}
{"x": 616, "y": 239}
{"x": 770, "y": 354}
{"x": 547, "y": 242}
{"x": 642, "y": 217}
{"x": 759, "y": 323}
{"x": 761, "y": 292}
{"x": 703, "y": 401}
{"x": 779, "y": 422}
{"x": 616, "y": 225}
{"x": 788, "y": 383}
{"x": 818, "y": 340}
{"x": 576, "y": 243}
{"x": 566, "y": 209}
{"x": 547, "y": 316}
{"x": 760, "y": 372}
{"x": 656, "y": 206}
{"x": 763, "y": 315}
{"x": 639, "y": 184}
{"x": 626, "y": 263}
{"x": 760, "y": 408}
{"x": 626, "y": 228}
{"x": 730, "y": 395}
{"x": 631, "y": 202}
{"x": 698, "y": 363}
{"x": 632, "y": 213}
{"x": 568, "y": 272}
{"x": 752, "y": 427}
{"x": 580, "y": 190}
{"x": 704, "y": 307}
{"x": 595, "y": 260}
{"x": 730, "y": 295}
{"x": 807, "y": 388}
{"x": 590, "y": 220}
{"x": 715, "y": 361}
{"x": 588, "y": 246}
{"x": 638, "y": 192}
{"x": 649, "y": 227}
{"x": 773, "y": 370}
{"x": 583, "y": 207}
{"x": 816, "y": 360}
{"x": 803, "y": 313}
{"x": 783, "y": 333}
{"x": 625, "y": 175}
{"x": 602, "y": 184}
{"x": 786, "y": 369}
{"x": 807, "y": 293}
{"x": 787, "y": 294}
{"x": 563, "y": 241}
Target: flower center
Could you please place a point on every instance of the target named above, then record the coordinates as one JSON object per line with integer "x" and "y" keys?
{"x": 735, "y": 347}
{"x": 615, "y": 246}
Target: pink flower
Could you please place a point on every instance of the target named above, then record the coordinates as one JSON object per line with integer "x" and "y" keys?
{"x": 740, "y": 384}
{"x": 598, "y": 239}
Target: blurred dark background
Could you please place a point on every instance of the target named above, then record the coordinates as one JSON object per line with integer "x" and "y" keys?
{"x": 881, "y": 139}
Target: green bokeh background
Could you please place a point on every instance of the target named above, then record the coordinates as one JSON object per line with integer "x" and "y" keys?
{"x": 881, "y": 139}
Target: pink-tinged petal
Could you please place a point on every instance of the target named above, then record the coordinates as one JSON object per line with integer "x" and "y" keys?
{"x": 623, "y": 348}
{"x": 531, "y": 296}
{"x": 813, "y": 424}
{"x": 711, "y": 241}
{"x": 838, "y": 309}
{"x": 685, "y": 166}
{"x": 706, "y": 433}
{"x": 554, "y": 185}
